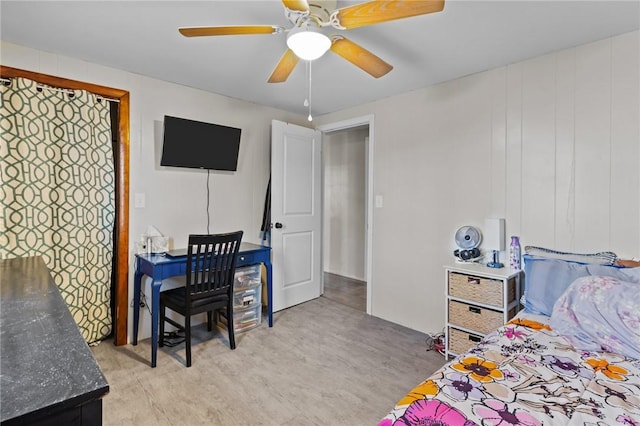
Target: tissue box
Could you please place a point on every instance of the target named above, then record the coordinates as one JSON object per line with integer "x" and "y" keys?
{"x": 159, "y": 244}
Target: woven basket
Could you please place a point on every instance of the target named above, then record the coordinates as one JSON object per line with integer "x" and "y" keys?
{"x": 461, "y": 341}
{"x": 473, "y": 317}
{"x": 481, "y": 290}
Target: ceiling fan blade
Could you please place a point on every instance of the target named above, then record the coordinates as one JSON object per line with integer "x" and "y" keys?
{"x": 230, "y": 30}
{"x": 359, "y": 56}
{"x": 298, "y": 5}
{"x": 375, "y": 12}
{"x": 287, "y": 63}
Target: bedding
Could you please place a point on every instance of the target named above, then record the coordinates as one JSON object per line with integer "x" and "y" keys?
{"x": 546, "y": 279}
{"x": 526, "y": 373}
{"x": 600, "y": 313}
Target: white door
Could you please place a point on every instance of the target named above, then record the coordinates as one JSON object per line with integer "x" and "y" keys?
{"x": 296, "y": 214}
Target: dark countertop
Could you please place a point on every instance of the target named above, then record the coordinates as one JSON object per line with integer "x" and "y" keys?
{"x": 45, "y": 364}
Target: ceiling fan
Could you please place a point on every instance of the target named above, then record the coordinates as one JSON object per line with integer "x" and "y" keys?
{"x": 306, "y": 41}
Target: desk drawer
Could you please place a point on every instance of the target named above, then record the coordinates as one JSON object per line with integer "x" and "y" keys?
{"x": 246, "y": 259}
{"x": 173, "y": 269}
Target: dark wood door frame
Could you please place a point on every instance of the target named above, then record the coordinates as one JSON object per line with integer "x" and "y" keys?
{"x": 122, "y": 185}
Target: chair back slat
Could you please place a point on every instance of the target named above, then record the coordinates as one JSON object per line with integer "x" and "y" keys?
{"x": 211, "y": 263}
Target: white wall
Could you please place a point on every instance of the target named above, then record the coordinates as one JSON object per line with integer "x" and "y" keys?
{"x": 344, "y": 162}
{"x": 175, "y": 198}
{"x": 551, "y": 144}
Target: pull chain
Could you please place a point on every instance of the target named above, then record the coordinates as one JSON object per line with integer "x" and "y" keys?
{"x": 306, "y": 87}
{"x": 308, "y": 100}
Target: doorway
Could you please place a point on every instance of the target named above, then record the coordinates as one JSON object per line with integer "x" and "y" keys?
{"x": 347, "y": 212}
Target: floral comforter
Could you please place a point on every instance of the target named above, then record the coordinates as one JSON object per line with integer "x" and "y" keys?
{"x": 526, "y": 374}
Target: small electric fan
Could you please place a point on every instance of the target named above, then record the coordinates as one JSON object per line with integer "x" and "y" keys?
{"x": 468, "y": 238}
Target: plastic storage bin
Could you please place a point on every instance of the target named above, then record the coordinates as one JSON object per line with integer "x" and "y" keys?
{"x": 243, "y": 319}
{"x": 249, "y": 297}
{"x": 247, "y": 276}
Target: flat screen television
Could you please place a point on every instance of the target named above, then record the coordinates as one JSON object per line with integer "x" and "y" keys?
{"x": 199, "y": 145}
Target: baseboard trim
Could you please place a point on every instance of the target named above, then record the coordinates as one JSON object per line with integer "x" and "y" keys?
{"x": 345, "y": 278}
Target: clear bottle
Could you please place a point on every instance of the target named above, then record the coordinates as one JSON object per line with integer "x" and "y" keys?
{"x": 514, "y": 253}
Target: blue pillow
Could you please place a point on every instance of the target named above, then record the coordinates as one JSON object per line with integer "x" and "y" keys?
{"x": 547, "y": 279}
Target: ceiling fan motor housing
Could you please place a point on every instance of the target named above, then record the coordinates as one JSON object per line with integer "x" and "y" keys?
{"x": 322, "y": 9}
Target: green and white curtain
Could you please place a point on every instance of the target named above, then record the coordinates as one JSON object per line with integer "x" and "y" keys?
{"x": 57, "y": 193}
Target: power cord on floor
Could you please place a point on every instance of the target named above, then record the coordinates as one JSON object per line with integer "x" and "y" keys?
{"x": 435, "y": 342}
{"x": 143, "y": 302}
{"x": 173, "y": 338}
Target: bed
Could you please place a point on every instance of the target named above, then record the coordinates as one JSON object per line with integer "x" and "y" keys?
{"x": 571, "y": 357}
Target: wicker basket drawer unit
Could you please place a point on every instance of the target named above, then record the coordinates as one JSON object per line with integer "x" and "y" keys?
{"x": 460, "y": 341}
{"x": 476, "y": 303}
{"x": 482, "y": 290}
{"x": 473, "y": 317}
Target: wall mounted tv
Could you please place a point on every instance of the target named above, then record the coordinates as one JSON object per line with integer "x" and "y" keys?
{"x": 199, "y": 145}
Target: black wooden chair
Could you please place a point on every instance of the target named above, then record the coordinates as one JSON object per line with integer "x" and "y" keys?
{"x": 211, "y": 265}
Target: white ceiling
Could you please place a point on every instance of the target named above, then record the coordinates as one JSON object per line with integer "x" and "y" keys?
{"x": 466, "y": 38}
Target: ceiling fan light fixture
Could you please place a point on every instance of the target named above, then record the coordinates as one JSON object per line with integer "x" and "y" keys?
{"x": 308, "y": 43}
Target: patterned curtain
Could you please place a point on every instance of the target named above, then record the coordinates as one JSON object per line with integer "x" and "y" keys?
{"x": 57, "y": 193}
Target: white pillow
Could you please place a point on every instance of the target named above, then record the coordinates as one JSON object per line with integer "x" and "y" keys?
{"x": 600, "y": 258}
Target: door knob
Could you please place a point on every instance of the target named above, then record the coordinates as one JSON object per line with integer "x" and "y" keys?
{"x": 278, "y": 225}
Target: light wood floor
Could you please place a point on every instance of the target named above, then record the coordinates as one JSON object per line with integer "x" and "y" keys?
{"x": 346, "y": 291}
{"x": 322, "y": 363}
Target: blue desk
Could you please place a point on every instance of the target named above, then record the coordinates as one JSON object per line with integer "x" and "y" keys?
{"x": 159, "y": 267}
